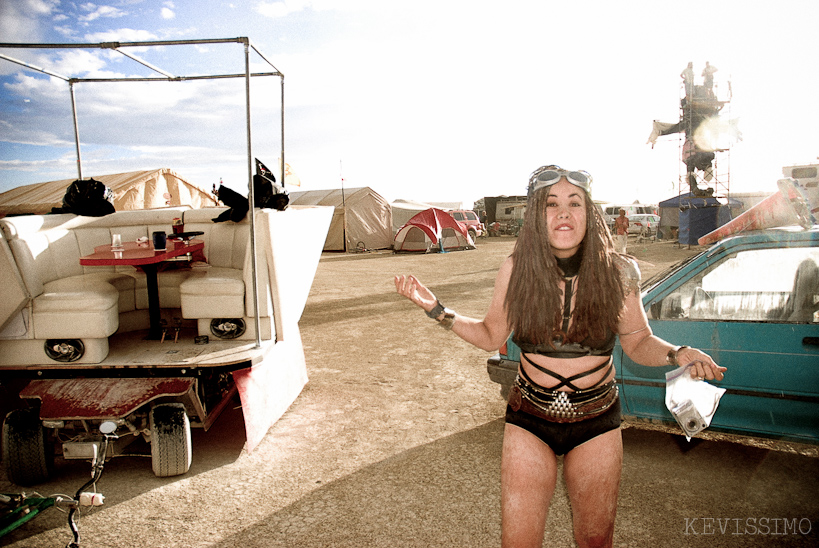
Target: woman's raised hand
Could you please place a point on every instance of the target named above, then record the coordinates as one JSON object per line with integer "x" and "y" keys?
{"x": 412, "y": 289}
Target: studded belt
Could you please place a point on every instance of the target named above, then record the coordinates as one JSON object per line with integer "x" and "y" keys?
{"x": 561, "y": 406}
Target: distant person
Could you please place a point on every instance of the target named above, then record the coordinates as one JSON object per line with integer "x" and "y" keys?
{"x": 483, "y": 221}
{"x": 621, "y": 232}
{"x": 688, "y": 79}
{"x": 566, "y": 296}
{"x": 708, "y": 77}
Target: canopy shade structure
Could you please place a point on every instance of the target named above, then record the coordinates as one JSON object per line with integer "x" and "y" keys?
{"x": 404, "y": 210}
{"x": 132, "y": 190}
{"x": 695, "y": 216}
{"x": 362, "y": 218}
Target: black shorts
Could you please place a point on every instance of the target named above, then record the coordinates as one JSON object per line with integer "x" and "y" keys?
{"x": 562, "y": 437}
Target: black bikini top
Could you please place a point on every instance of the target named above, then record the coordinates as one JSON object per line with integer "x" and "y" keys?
{"x": 588, "y": 347}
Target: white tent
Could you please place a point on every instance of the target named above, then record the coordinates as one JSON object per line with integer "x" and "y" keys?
{"x": 133, "y": 190}
{"x": 404, "y": 210}
{"x": 362, "y": 217}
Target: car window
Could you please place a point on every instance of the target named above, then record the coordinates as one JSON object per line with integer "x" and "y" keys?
{"x": 458, "y": 215}
{"x": 778, "y": 285}
{"x": 471, "y": 216}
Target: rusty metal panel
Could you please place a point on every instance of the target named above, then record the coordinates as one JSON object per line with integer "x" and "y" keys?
{"x": 100, "y": 398}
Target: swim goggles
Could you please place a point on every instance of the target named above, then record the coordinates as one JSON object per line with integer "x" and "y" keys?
{"x": 549, "y": 175}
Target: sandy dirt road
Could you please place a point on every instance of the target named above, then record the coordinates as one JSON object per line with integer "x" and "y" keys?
{"x": 396, "y": 441}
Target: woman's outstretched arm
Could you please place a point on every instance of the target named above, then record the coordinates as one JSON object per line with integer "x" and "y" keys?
{"x": 490, "y": 332}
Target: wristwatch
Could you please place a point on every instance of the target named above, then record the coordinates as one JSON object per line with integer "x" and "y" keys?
{"x": 671, "y": 357}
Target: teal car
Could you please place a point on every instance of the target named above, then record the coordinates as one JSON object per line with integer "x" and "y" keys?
{"x": 751, "y": 301}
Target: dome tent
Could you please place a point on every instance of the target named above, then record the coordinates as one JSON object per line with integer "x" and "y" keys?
{"x": 432, "y": 230}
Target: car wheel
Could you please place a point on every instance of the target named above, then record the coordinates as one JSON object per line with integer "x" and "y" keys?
{"x": 473, "y": 235}
{"x": 171, "y": 451}
{"x": 26, "y": 453}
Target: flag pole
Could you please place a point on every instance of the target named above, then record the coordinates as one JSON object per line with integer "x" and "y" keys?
{"x": 343, "y": 205}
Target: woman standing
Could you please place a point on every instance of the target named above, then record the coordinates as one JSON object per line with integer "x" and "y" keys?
{"x": 565, "y": 294}
{"x": 621, "y": 232}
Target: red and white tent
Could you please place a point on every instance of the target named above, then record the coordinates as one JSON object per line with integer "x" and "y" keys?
{"x": 432, "y": 230}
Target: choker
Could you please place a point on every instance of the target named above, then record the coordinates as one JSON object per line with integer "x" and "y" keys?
{"x": 570, "y": 265}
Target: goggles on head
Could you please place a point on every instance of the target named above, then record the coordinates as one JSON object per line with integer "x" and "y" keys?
{"x": 549, "y": 175}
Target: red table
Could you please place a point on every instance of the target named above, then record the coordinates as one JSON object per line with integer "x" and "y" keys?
{"x": 146, "y": 257}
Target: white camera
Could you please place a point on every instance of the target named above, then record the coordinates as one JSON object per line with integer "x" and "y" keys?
{"x": 688, "y": 418}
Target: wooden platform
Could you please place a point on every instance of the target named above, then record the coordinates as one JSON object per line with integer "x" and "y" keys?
{"x": 131, "y": 351}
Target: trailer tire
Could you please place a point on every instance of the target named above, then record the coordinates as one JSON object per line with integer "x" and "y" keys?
{"x": 27, "y": 456}
{"x": 171, "y": 451}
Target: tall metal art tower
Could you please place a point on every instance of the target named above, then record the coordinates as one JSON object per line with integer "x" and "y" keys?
{"x": 705, "y": 133}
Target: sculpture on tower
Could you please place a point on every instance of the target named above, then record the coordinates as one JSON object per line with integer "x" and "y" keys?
{"x": 704, "y": 130}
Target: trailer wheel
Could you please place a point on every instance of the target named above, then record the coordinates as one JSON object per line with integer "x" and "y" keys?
{"x": 26, "y": 453}
{"x": 171, "y": 452}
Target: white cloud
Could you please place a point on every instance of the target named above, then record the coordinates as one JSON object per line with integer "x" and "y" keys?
{"x": 121, "y": 35}
{"x": 67, "y": 31}
{"x": 97, "y": 12}
{"x": 20, "y": 19}
{"x": 167, "y": 13}
{"x": 286, "y": 7}
{"x": 273, "y": 9}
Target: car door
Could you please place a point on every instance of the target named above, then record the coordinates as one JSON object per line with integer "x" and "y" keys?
{"x": 750, "y": 311}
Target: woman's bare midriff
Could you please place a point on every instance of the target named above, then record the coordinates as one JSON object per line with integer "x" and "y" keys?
{"x": 567, "y": 368}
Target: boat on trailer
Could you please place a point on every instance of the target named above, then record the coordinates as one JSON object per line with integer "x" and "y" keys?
{"x": 73, "y": 346}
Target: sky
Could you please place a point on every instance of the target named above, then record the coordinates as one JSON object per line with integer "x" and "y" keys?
{"x": 429, "y": 100}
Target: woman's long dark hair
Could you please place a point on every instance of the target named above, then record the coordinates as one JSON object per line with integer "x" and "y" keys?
{"x": 534, "y": 302}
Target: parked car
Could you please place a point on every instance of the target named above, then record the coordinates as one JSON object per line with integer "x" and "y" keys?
{"x": 751, "y": 301}
{"x": 643, "y": 224}
{"x": 469, "y": 220}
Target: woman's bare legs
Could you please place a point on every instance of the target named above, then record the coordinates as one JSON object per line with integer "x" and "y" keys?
{"x": 592, "y": 472}
{"x": 528, "y": 476}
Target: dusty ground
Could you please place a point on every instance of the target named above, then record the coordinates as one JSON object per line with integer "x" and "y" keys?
{"x": 396, "y": 441}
